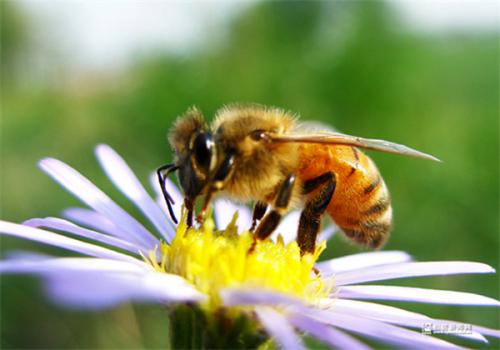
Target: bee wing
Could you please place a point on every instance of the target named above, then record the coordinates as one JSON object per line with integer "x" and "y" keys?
{"x": 313, "y": 127}
{"x": 342, "y": 139}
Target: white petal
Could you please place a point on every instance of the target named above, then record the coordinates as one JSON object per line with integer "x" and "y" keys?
{"x": 420, "y": 295}
{"x": 329, "y": 335}
{"x": 126, "y": 181}
{"x": 413, "y": 269}
{"x": 279, "y": 328}
{"x": 384, "y": 332}
{"x": 362, "y": 260}
{"x": 327, "y": 232}
{"x": 288, "y": 227}
{"x": 224, "y": 211}
{"x": 57, "y": 240}
{"x": 173, "y": 191}
{"x": 87, "y": 192}
{"x": 66, "y": 226}
{"x": 395, "y": 315}
{"x": 93, "y": 220}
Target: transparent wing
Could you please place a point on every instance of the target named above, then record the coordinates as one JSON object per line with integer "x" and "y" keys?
{"x": 342, "y": 139}
{"x": 313, "y": 127}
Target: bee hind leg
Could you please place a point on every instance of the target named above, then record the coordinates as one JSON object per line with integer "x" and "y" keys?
{"x": 310, "y": 217}
{"x": 271, "y": 220}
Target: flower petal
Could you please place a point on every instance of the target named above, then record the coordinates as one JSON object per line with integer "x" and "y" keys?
{"x": 58, "y": 240}
{"x": 93, "y": 220}
{"x": 328, "y": 232}
{"x": 87, "y": 192}
{"x": 224, "y": 211}
{"x": 126, "y": 181}
{"x": 253, "y": 296}
{"x": 288, "y": 227}
{"x": 329, "y": 335}
{"x": 52, "y": 265}
{"x": 100, "y": 283}
{"x": 397, "y": 316}
{"x": 487, "y": 331}
{"x": 106, "y": 290}
{"x": 413, "y": 269}
{"x": 385, "y": 332}
{"x": 362, "y": 260}
{"x": 278, "y": 327}
{"x": 420, "y": 295}
{"x": 66, "y": 226}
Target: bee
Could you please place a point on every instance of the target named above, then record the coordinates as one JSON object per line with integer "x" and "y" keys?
{"x": 263, "y": 155}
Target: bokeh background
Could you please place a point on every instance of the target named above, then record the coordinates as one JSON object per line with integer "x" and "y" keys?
{"x": 423, "y": 73}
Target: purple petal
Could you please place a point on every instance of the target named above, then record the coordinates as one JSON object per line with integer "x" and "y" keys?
{"x": 362, "y": 260}
{"x": 487, "y": 331}
{"x": 87, "y": 192}
{"x": 100, "y": 283}
{"x": 396, "y": 316}
{"x": 387, "y": 333}
{"x": 329, "y": 335}
{"x": 50, "y": 265}
{"x": 97, "y": 291}
{"x": 224, "y": 211}
{"x": 58, "y": 240}
{"x": 25, "y": 255}
{"x": 66, "y": 226}
{"x": 410, "y": 270}
{"x": 93, "y": 220}
{"x": 126, "y": 181}
{"x": 251, "y": 296}
{"x": 173, "y": 191}
{"x": 279, "y": 328}
{"x": 420, "y": 295}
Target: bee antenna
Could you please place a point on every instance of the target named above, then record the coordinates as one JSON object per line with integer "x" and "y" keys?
{"x": 163, "y": 172}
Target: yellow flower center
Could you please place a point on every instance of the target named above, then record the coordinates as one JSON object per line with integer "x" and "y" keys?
{"x": 214, "y": 260}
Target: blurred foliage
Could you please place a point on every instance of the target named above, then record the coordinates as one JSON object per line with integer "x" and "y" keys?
{"x": 13, "y": 37}
{"x": 353, "y": 65}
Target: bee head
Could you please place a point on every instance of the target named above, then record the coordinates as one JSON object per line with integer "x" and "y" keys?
{"x": 195, "y": 152}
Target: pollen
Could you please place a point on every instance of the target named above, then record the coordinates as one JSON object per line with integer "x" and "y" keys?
{"x": 213, "y": 260}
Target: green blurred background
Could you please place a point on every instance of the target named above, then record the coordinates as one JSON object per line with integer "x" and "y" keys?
{"x": 361, "y": 66}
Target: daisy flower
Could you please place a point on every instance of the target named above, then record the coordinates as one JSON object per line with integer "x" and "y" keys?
{"x": 212, "y": 286}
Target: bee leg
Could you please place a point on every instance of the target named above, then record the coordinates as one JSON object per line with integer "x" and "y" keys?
{"x": 310, "y": 217}
{"x": 259, "y": 210}
{"x": 162, "y": 173}
{"x": 189, "y": 207}
{"x": 269, "y": 223}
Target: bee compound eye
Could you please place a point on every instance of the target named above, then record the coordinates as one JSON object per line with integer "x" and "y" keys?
{"x": 202, "y": 149}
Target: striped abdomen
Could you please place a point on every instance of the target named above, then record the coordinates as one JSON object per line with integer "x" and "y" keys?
{"x": 360, "y": 205}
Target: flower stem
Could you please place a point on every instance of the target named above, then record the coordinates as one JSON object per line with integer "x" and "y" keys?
{"x": 193, "y": 328}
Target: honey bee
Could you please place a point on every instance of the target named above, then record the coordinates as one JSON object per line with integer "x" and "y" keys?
{"x": 263, "y": 155}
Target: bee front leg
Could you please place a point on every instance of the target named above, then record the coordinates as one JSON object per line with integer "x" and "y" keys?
{"x": 269, "y": 223}
{"x": 310, "y": 217}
